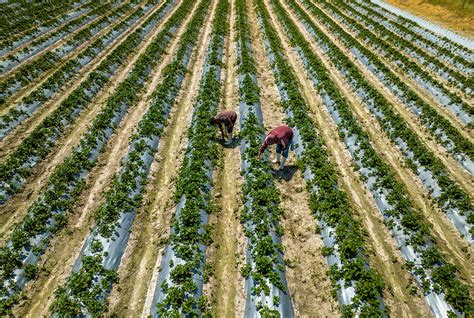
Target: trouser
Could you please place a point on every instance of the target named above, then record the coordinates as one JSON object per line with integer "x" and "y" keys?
{"x": 284, "y": 152}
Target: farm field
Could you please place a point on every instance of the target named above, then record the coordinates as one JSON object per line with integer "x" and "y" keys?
{"x": 119, "y": 198}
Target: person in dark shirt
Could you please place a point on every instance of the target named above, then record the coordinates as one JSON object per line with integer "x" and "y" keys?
{"x": 225, "y": 120}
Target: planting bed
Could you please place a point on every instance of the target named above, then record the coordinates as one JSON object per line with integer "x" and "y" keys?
{"x": 118, "y": 197}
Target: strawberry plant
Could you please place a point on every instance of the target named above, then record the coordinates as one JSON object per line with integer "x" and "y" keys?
{"x": 358, "y": 287}
{"x": 405, "y": 222}
{"x": 46, "y": 216}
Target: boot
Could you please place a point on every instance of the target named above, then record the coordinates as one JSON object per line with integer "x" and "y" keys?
{"x": 277, "y": 160}
{"x": 282, "y": 164}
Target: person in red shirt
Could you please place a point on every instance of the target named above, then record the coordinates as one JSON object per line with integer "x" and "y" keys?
{"x": 225, "y": 119}
{"x": 282, "y": 136}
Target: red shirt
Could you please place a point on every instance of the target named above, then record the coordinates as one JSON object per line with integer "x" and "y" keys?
{"x": 280, "y": 135}
{"x": 228, "y": 118}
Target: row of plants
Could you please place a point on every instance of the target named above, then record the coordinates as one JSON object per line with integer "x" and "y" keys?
{"x": 86, "y": 289}
{"x": 266, "y": 287}
{"x": 18, "y": 165}
{"x": 33, "y": 69}
{"x": 35, "y": 47}
{"x": 17, "y": 20}
{"x": 66, "y": 73}
{"x": 451, "y": 198}
{"x": 437, "y": 278}
{"x": 12, "y": 41}
{"x": 460, "y": 56}
{"x": 445, "y": 133}
{"x": 390, "y": 45}
{"x": 179, "y": 287}
{"x": 357, "y": 286}
{"x": 67, "y": 33}
{"x": 449, "y": 57}
{"x": 48, "y": 214}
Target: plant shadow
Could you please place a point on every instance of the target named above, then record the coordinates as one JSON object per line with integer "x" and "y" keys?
{"x": 286, "y": 174}
{"x": 235, "y": 142}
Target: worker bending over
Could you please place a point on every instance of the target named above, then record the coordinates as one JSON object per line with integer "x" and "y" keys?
{"x": 225, "y": 120}
{"x": 282, "y": 136}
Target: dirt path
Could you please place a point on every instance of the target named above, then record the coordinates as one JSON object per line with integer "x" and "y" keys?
{"x": 385, "y": 256}
{"x": 17, "y": 134}
{"x": 51, "y": 47}
{"x": 226, "y": 255}
{"x": 401, "y": 73}
{"x": 443, "y": 228}
{"x": 447, "y": 236}
{"x": 153, "y": 220}
{"x": 308, "y": 282}
{"x": 412, "y": 120}
{"x": 13, "y": 100}
{"x": 17, "y": 205}
{"x": 50, "y": 31}
{"x": 41, "y": 293}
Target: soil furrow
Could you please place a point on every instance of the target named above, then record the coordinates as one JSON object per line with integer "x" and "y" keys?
{"x": 14, "y": 99}
{"x": 447, "y": 236}
{"x": 50, "y": 31}
{"x": 50, "y": 47}
{"x": 308, "y": 281}
{"x": 16, "y": 206}
{"x": 386, "y": 257}
{"x": 63, "y": 255}
{"x": 226, "y": 254}
{"x": 449, "y": 86}
{"x": 11, "y": 141}
{"x": 414, "y": 121}
{"x": 460, "y": 175}
{"x": 153, "y": 220}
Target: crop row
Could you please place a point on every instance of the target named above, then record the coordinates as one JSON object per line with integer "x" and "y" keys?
{"x": 15, "y": 169}
{"x": 463, "y": 57}
{"x": 48, "y": 214}
{"x": 17, "y": 20}
{"x": 15, "y": 40}
{"x": 94, "y": 270}
{"x": 446, "y": 135}
{"x": 358, "y": 288}
{"x": 31, "y": 71}
{"x": 179, "y": 287}
{"x": 64, "y": 75}
{"x": 389, "y": 45}
{"x": 455, "y": 202}
{"x": 38, "y": 45}
{"x": 266, "y": 287}
{"x": 436, "y": 277}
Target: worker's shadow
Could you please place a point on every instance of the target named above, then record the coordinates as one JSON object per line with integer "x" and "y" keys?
{"x": 235, "y": 142}
{"x": 286, "y": 174}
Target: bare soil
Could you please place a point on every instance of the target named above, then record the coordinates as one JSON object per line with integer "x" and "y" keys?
{"x": 459, "y": 174}
{"x": 98, "y": 181}
{"x": 401, "y": 73}
{"x": 448, "y": 238}
{"x": 51, "y": 47}
{"x": 150, "y": 230}
{"x": 426, "y": 96}
{"x": 17, "y": 205}
{"x": 385, "y": 256}
{"x": 307, "y": 278}
{"x": 50, "y": 31}
{"x": 226, "y": 255}
{"x": 13, "y": 100}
